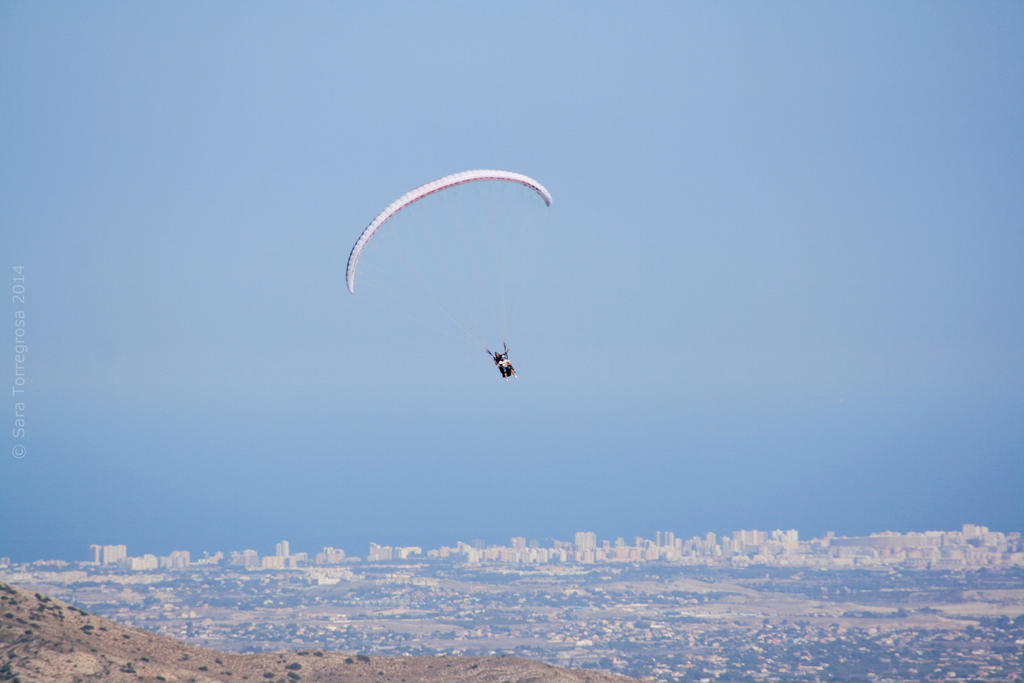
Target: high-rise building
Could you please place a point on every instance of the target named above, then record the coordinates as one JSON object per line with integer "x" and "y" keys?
{"x": 178, "y": 559}
{"x": 144, "y": 563}
{"x": 273, "y": 562}
{"x": 108, "y": 554}
{"x": 247, "y": 558}
{"x": 329, "y": 555}
{"x": 586, "y": 540}
{"x": 282, "y": 549}
{"x": 379, "y": 553}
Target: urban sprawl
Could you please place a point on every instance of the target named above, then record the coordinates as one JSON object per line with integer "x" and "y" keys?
{"x": 749, "y": 606}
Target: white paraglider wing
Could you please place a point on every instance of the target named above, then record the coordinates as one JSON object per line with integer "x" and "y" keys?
{"x": 423, "y": 191}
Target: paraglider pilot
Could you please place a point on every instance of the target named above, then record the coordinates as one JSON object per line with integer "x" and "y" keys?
{"x": 503, "y": 363}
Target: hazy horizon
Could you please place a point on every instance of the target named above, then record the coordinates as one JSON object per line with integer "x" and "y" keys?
{"x": 354, "y": 554}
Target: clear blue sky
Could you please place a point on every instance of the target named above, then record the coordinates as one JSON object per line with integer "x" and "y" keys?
{"x": 782, "y": 283}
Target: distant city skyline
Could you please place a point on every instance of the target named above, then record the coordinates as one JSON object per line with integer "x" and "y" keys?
{"x": 971, "y": 545}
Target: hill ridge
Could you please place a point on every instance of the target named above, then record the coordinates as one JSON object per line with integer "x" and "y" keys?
{"x": 45, "y": 639}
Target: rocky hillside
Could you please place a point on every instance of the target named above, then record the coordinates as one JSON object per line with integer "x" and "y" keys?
{"x": 43, "y": 639}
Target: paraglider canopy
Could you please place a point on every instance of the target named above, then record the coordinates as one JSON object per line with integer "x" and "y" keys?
{"x": 426, "y": 190}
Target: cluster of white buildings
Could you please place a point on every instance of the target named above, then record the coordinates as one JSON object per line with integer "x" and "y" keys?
{"x": 587, "y": 549}
{"x": 116, "y": 556}
{"x": 971, "y": 546}
{"x": 385, "y": 553}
